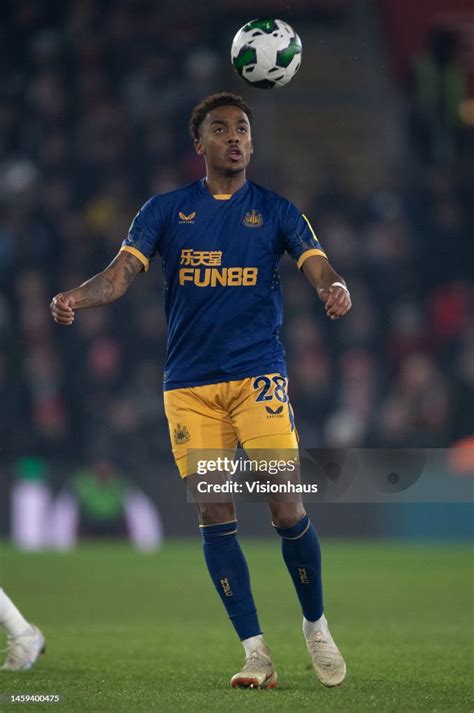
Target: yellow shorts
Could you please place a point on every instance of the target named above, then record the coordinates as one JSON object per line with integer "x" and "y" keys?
{"x": 254, "y": 412}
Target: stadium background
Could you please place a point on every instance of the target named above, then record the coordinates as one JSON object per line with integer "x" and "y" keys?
{"x": 93, "y": 119}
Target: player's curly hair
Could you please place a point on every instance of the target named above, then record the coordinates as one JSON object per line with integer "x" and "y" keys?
{"x": 200, "y": 111}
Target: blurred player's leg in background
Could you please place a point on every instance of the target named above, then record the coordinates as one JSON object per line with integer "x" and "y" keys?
{"x": 25, "y": 642}
{"x": 143, "y": 519}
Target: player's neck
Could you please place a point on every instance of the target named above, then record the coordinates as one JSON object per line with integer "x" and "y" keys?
{"x": 224, "y": 185}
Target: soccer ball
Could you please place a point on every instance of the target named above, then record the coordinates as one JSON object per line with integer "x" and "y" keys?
{"x": 266, "y": 53}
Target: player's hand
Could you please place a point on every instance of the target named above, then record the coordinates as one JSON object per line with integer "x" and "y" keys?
{"x": 62, "y": 309}
{"x": 337, "y": 301}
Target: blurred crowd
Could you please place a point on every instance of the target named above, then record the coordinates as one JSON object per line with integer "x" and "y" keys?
{"x": 93, "y": 119}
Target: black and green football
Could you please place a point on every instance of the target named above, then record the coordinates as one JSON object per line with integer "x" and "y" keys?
{"x": 266, "y": 53}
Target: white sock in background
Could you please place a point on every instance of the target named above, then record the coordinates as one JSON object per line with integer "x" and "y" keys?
{"x": 10, "y": 618}
{"x": 311, "y": 627}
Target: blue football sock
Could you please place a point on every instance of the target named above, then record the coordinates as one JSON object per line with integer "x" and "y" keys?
{"x": 229, "y": 572}
{"x": 302, "y": 555}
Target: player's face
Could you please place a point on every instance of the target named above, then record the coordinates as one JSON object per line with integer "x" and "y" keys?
{"x": 226, "y": 140}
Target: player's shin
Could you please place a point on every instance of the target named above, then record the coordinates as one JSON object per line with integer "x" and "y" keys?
{"x": 11, "y": 619}
{"x": 229, "y": 572}
{"x": 302, "y": 555}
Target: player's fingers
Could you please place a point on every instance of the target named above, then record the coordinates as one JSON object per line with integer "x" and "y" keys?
{"x": 61, "y": 306}
{"x": 62, "y": 299}
{"x": 344, "y": 305}
{"x": 336, "y": 293}
{"x": 335, "y": 302}
{"x": 336, "y": 299}
{"x": 61, "y": 313}
{"x": 341, "y": 309}
{"x": 331, "y": 299}
{"x": 330, "y": 306}
{"x": 64, "y": 322}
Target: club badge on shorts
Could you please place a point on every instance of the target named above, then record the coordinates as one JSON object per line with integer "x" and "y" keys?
{"x": 181, "y": 434}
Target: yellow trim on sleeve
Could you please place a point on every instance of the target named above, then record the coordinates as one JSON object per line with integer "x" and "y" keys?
{"x": 309, "y": 253}
{"x": 222, "y": 196}
{"x": 312, "y": 251}
{"x": 144, "y": 260}
{"x": 310, "y": 227}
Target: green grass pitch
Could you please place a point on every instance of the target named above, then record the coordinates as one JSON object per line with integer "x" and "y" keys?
{"x": 134, "y": 632}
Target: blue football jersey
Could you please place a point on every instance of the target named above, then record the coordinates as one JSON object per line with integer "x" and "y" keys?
{"x": 222, "y": 293}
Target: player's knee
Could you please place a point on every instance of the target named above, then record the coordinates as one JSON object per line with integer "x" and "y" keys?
{"x": 215, "y": 513}
{"x": 286, "y": 514}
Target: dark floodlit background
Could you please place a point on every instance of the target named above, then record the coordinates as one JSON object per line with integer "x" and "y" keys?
{"x": 373, "y": 140}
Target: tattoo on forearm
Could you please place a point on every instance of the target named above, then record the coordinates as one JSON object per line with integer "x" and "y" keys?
{"x": 109, "y": 285}
{"x": 129, "y": 269}
{"x": 99, "y": 290}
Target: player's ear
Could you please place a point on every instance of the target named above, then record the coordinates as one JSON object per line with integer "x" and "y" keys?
{"x": 199, "y": 148}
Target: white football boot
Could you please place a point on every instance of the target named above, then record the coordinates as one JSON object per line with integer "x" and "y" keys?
{"x": 258, "y": 671}
{"x": 327, "y": 660}
{"x": 22, "y": 651}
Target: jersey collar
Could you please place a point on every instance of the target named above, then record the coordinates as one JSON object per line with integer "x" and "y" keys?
{"x": 223, "y": 196}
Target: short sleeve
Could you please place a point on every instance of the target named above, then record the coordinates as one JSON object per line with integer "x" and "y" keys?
{"x": 300, "y": 240}
{"x": 144, "y": 233}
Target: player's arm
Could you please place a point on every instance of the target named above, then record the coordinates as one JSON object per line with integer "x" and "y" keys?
{"x": 330, "y": 286}
{"x": 106, "y": 287}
